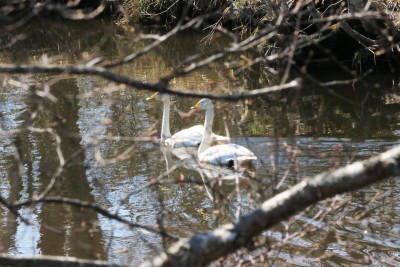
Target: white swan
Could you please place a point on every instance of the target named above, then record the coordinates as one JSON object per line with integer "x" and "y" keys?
{"x": 226, "y": 154}
{"x": 190, "y": 137}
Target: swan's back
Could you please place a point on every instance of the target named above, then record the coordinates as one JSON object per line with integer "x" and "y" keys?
{"x": 226, "y": 154}
{"x": 190, "y": 137}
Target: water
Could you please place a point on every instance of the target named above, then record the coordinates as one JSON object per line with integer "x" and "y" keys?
{"x": 96, "y": 123}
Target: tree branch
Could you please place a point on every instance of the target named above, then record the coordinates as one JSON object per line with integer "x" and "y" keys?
{"x": 201, "y": 249}
{"x": 50, "y": 261}
{"x": 356, "y": 35}
{"x": 89, "y": 205}
{"x": 154, "y": 87}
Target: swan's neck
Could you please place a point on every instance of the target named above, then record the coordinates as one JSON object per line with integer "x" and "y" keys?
{"x": 165, "y": 132}
{"x": 206, "y": 141}
{"x": 168, "y": 158}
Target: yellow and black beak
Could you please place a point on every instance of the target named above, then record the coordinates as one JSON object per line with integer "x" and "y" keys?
{"x": 197, "y": 106}
{"x": 152, "y": 97}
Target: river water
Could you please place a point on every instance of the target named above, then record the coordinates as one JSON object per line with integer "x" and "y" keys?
{"x": 91, "y": 125}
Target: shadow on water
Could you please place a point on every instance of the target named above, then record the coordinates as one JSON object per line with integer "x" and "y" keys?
{"x": 76, "y": 233}
{"x": 63, "y": 225}
{"x": 367, "y": 108}
{"x": 295, "y": 134}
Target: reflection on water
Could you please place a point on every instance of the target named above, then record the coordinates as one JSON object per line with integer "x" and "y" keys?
{"x": 89, "y": 124}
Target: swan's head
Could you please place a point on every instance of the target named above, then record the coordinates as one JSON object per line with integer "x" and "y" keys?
{"x": 205, "y": 103}
{"x": 158, "y": 96}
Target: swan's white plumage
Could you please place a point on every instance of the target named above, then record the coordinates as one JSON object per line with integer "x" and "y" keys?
{"x": 226, "y": 154}
{"x": 190, "y": 137}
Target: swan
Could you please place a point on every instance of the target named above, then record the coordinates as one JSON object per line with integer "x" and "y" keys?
{"x": 205, "y": 171}
{"x": 225, "y": 154}
{"x": 190, "y": 137}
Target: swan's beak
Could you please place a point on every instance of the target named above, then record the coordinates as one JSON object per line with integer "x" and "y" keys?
{"x": 197, "y": 106}
{"x": 152, "y": 97}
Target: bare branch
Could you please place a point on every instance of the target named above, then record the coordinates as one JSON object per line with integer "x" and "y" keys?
{"x": 161, "y": 39}
{"x": 201, "y": 249}
{"x": 85, "y": 204}
{"x": 155, "y": 87}
{"x": 44, "y": 261}
{"x": 356, "y": 35}
{"x": 13, "y": 210}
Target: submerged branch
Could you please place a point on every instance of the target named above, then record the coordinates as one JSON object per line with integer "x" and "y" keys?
{"x": 201, "y": 249}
